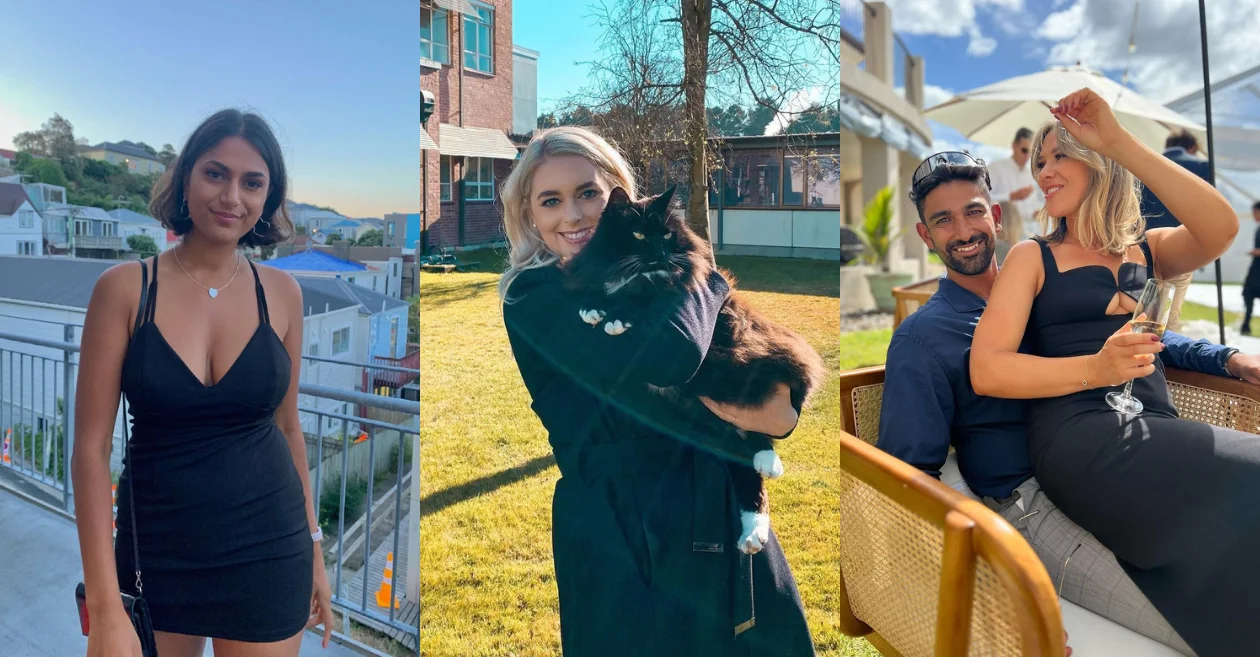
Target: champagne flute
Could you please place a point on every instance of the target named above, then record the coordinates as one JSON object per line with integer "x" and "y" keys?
{"x": 1150, "y": 316}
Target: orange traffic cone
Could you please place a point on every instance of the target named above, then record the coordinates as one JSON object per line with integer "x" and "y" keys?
{"x": 387, "y": 588}
{"x": 4, "y": 451}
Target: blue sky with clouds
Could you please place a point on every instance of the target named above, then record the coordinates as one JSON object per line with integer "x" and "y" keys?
{"x": 338, "y": 81}
{"x": 968, "y": 44}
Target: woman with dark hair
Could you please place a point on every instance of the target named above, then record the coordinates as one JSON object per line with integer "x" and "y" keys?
{"x": 225, "y": 528}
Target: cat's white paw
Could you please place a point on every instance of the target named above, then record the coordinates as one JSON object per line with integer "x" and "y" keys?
{"x": 756, "y": 531}
{"x": 768, "y": 464}
{"x": 616, "y": 327}
{"x": 592, "y": 317}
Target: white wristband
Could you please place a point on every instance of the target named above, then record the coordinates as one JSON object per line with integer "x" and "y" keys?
{"x": 317, "y": 535}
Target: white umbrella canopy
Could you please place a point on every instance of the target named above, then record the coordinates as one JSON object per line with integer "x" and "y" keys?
{"x": 992, "y": 115}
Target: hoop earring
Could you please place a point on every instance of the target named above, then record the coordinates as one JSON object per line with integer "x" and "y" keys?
{"x": 183, "y": 208}
{"x": 261, "y": 221}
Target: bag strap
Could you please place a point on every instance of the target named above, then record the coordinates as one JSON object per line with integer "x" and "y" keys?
{"x": 131, "y": 497}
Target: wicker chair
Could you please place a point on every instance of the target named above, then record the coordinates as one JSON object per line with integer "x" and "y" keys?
{"x": 927, "y": 571}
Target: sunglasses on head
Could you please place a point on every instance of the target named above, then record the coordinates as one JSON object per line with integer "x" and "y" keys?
{"x": 937, "y": 160}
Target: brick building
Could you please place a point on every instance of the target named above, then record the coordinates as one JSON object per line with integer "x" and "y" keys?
{"x": 467, "y": 64}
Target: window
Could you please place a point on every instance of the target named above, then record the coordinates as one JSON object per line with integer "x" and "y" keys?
{"x": 444, "y": 181}
{"x": 82, "y": 227}
{"x": 479, "y": 39}
{"x": 313, "y": 348}
{"x": 341, "y": 341}
{"x": 395, "y": 269}
{"x": 389, "y": 228}
{"x": 109, "y": 230}
{"x": 794, "y": 181}
{"x": 479, "y": 179}
{"x": 434, "y": 35}
{"x": 823, "y": 173}
{"x": 26, "y": 219}
{"x": 26, "y": 248}
{"x": 753, "y": 179}
{"x": 351, "y": 279}
{"x": 393, "y": 335}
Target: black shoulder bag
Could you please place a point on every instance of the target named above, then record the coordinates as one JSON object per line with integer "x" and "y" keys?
{"x": 136, "y": 608}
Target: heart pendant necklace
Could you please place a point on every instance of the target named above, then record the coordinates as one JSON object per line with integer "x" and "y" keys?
{"x": 213, "y": 291}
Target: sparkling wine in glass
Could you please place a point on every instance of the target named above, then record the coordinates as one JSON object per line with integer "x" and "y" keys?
{"x": 1150, "y": 316}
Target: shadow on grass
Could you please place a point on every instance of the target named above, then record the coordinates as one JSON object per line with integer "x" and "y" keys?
{"x": 448, "y": 497}
{"x": 447, "y": 294}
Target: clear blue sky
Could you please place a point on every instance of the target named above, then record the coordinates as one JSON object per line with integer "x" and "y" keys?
{"x": 338, "y": 81}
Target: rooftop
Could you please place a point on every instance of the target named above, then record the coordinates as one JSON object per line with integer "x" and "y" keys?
{"x": 127, "y": 216}
{"x": 316, "y": 261}
{"x": 12, "y": 196}
{"x": 124, "y": 147}
{"x": 368, "y": 301}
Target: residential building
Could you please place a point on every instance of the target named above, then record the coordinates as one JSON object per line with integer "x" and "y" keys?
{"x": 524, "y": 90}
{"x": 318, "y": 264}
{"x": 82, "y": 231}
{"x": 392, "y": 261}
{"x": 467, "y": 64}
{"x": 883, "y": 135}
{"x": 136, "y": 159}
{"x": 401, "y": 230}
{"x": 41, "y": 195}
{"x": 21, "y": 229}
{"x": 8, "y": 158}
{"x": 349, "y": 229}
{"x": 133, "y": 223}
{"x": 311, "y": 218}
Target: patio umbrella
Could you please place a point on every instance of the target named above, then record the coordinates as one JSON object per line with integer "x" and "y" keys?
{"x": 991, "y": 115}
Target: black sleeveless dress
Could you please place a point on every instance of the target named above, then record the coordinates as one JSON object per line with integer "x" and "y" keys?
{"x": 1177, "y": 501}
{"x": 225, "y": 550}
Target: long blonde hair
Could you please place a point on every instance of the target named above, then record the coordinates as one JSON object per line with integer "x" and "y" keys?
{"x": 528, "y": 251}
{"x": 1110, "y": 217}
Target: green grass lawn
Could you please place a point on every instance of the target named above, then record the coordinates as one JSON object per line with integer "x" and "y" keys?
{"x": 487, "y": 476}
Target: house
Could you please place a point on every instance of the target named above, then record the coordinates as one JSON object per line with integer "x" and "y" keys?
{"x": 133, "y": 223}
{"x": 883, "y": 135}
{"x": 392, "y": 261}
{"x": 524, "y": 90}
{"x": 7, "y": 159}
{"x": 311, "y": 218}
{"x": 319, "y": 264}
{"x": 41, "y": 195}
{"x": 21, "y": 229}
{"x": 349, "y": 229}
{"x": 82, "y": 231}
{"x": 129, "y": 154}
{"x": 467, "y": 65}
{"x": 401, "y": 230}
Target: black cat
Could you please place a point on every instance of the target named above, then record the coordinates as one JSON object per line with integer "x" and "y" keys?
{"x": 642, "y": 247}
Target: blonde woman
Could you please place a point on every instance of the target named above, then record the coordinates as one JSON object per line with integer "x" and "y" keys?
{"x": 1175, "y": 500}
{"x": 643, "y": 526}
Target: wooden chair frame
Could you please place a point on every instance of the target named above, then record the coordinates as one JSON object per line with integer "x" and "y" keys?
{"x": 972, "y": 531}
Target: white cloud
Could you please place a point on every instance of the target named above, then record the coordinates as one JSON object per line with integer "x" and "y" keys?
{"x": 956, "y": 18}
{"x": 1167, "y": 61}
{"x": 799, "y": 102}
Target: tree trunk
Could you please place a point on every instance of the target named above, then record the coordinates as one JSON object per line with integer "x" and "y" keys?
{"x": 697, "y": 16}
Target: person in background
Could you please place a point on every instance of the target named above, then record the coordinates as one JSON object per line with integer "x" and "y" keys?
{"x": 1015, "y": 191}
{"x": 1251, "y": 286}
{"x": 1182, "y": 148}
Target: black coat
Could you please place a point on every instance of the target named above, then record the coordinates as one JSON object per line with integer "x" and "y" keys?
{"x": 644, "y": 524}
{"x": 1156, "y": 213}
{"x": 1251, "y": 286}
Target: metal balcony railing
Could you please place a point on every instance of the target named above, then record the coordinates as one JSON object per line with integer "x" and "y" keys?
{"x": 364, "y": 471}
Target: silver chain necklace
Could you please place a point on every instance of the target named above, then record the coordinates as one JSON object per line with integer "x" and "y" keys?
{"x": 214, "y": 291}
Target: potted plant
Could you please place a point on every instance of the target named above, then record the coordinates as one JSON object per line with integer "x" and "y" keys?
{"x": 878, "y": 235}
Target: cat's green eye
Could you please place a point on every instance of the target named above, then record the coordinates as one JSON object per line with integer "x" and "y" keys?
{"x": 639, "y": 236}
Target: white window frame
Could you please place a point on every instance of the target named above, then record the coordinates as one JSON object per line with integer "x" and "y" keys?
{"x": 345, "y": 344}
{"x": 312, "y": 349}
{"x": 478, "y": 40}
{"x": 475, "y": 186}
{"x": 435, "y": 49}
{"x": 26, "y": 219}
{"x": 393, "y": 335}
{"x": 26, "y": 248}
{"x": 109, "y": 230}
{"x": 87, "y": 228}
{"x": 446, "y": 165}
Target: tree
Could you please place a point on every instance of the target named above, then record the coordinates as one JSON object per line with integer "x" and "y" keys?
{"x": 547, "y": 120}
{"x": 371, "y": 237}
{"x": 758, "y": 120}
{"x": 54, "y": 139}
{"x": 662, "y": 53}
{"x": 817, "y": 118}
{"x": 167, "y": 155}
{"x": 143, "y": 245}
{"x": 47, "y": 171}
{"x": 727, "y": 122}
{"x": 147, "y": 148}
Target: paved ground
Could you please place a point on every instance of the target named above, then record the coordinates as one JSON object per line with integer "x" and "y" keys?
{"x": 39, "y": 568}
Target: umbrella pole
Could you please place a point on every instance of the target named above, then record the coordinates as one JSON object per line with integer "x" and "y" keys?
{"x": 1207, "y": 102}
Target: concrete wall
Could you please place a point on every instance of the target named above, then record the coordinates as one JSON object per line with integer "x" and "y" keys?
{"x": 811, "y": 233}
{"x": 524, "y": 90}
